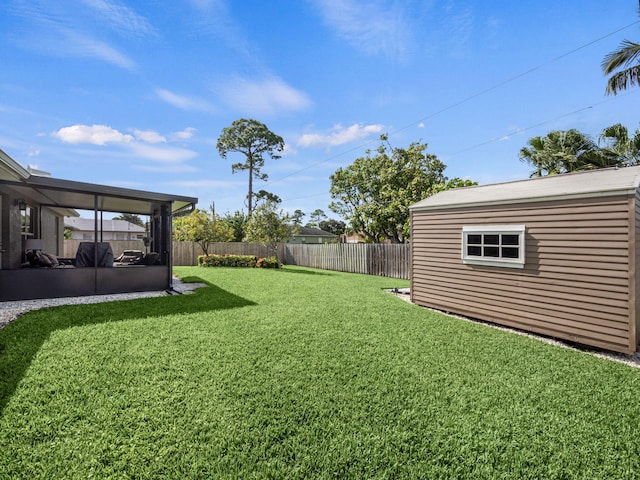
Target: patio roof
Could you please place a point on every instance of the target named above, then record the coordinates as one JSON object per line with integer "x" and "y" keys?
{"x": 58, "y": 193}
{"x": 10, "y": 169}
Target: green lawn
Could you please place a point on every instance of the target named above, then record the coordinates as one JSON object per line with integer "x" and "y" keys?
{"x": 301, "y": 373}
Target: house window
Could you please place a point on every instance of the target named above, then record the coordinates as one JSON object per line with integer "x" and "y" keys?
{"x": 28, "y": 222}
{"x": 494, "y": 245}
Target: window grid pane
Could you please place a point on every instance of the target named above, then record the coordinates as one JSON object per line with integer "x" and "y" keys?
{"x": 491, "y": 239}
{"x": 498, "y": 246}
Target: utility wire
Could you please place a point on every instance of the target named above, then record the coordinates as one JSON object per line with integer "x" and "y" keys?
{"x": 530, "y": 127}
{"x": 496, "y": 139}
{"x": 460, "y": 102}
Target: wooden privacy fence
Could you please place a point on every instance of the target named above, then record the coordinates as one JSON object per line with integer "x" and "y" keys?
{"x": 370, "y": 259}
{"x": 386, "y": 260}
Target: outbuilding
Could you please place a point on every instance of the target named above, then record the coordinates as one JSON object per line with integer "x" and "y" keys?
{"x": 554, "y": 255}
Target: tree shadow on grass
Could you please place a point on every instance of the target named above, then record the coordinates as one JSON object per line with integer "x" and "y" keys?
{"x": 21, "y": 340}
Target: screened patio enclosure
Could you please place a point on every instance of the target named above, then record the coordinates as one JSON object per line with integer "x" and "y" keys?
{"x": 32, "y": 210}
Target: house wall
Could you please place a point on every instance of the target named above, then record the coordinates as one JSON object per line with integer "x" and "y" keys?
{"x": 50, "y": 227}
{"x": 578, "y": 282}
{"x": 311, "y": 239}
{"x": 106, "y": 236}
{"x": 11, "y": 231}
{"x": 52, "y": 231}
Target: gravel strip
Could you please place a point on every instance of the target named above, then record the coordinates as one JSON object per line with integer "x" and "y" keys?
{"x": 9, "y": 311}
{"x": 631, "y": 360}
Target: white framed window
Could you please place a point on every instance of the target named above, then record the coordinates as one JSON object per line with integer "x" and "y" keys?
{"x": 494, "y": 245}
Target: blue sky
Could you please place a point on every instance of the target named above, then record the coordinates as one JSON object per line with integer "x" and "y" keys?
{"x": 135, "y": 94}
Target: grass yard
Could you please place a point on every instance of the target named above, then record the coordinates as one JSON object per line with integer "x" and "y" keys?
{"x": 301, "y": 373}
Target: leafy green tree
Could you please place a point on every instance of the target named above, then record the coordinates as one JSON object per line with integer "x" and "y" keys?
{"x": 297, "y": 216}
{"x": 374, "y": 193}
{"x": 131, "y": 218}
{"x": 617, "y": 140}
{"x": 237, "y": 222}
{"x": 563, "y": 151}
{"x": 269, "y": 226}
{"x": 623, "y": 64}
{"x": 203, "y": 228}
{"x": 337, "y": 227}
{"x": 315, "y": 217}
{"x": 254, "y": 140}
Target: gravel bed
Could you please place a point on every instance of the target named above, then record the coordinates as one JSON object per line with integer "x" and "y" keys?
{"x": 9, "y": 311}
{"x": 631, "y": 360}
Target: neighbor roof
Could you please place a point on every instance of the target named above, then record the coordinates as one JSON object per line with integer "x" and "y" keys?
{"x": 592, "y": 183}
{"x": 313, "y": 232}
{"x": 87, "y": 224}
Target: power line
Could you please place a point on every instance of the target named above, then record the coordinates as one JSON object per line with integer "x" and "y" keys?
{"x": 496, "y": 139}
{"x": 531, "y": 127}
{"x": 460, "y": 102}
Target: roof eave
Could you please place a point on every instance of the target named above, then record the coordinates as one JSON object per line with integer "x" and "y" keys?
{"x": 607, "y": 193}
{"x": 18, "y": 170}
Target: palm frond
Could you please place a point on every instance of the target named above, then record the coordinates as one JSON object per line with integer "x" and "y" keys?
{"x": 625, "y": 55}
{"x": 623, "y": 80}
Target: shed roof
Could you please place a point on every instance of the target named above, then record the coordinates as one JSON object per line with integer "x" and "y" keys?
{"x": 592, "y": 183}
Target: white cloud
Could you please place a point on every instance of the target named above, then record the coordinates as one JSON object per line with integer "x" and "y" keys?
{"x": 146, "y": 143}
{"x": 120, "y": 17}
{"x": 83, "y": 46}
{"x": 213, "y": 17}
{"x": 339, "y": 135}
{"x": 162, "y": 154}
{"x": 288, "y": 150}
{"x": 209, "y": 184}
{"x": 264, "y": 97}
{"x": 182, "y": 102}
{"x": 149, "y": 136}
{"x": 373, "y": 27}
{"x": 52, "y": 30}
{"x": 94, "y": 135}
{"x": 458, "y": 27}
{"x": 185, "y": 134}
{"x": 177, "y": 168}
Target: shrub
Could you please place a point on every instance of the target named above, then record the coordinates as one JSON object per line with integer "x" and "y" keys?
{"x": 213, "y": 260}
{"x": 271, "y": 262}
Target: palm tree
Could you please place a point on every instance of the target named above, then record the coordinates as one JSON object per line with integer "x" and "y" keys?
{"x": 616, "y": 139}
{"x": 626, "y": 59}
{"x": 564, "y": 151}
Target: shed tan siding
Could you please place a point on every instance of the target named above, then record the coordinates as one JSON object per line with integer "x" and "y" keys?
{"x": 577, "y": 283}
